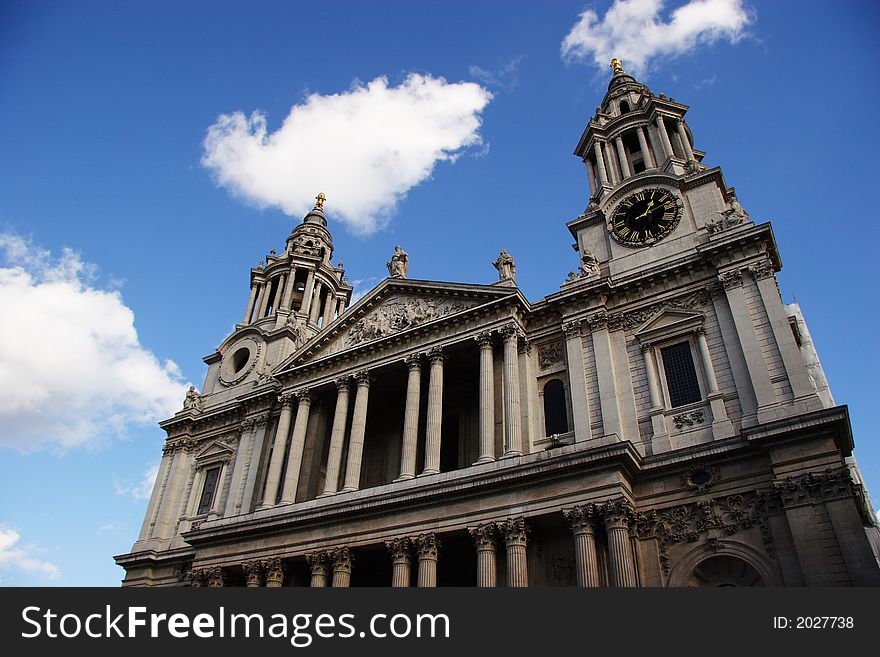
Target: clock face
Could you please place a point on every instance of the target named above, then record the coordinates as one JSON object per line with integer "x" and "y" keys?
{"x": 645, "y": 217}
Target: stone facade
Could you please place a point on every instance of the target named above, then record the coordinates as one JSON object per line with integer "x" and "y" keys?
{"x": 661, "y": 420}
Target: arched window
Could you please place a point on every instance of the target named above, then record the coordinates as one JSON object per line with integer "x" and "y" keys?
{"x": 624, "y": 107}
{"x": 555, "y": 414}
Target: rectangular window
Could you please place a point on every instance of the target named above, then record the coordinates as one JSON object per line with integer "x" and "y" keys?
{"x": 208, "y": 490}
{"x": 681, "y": 377}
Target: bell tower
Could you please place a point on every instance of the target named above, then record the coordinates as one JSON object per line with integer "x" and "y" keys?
{"x": 294, "y": 296}
{"x": 651, "y": 198}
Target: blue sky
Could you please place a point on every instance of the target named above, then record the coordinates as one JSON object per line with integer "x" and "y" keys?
{"x": 114, "y": 217}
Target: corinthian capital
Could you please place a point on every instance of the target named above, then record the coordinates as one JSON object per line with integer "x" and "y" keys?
{"x": 582, "y": 518}
{"x": 484, "y": 339}
{"x": 436, "y": 355}
{"x": 572, "y": 329}
{"x": 618, "y": 513}
{"x": 428, "y": 545}
{"x": 319, "y": 562}
{"x": 342, "y": 559}
{"x": 514, "y": 530}
{"x": 286, "y": 399}
{"x": 485, "y": 536}
{"x": 730, "y": 279}
{"x": 400, "y": 549}
{"x": 304, "y": 396}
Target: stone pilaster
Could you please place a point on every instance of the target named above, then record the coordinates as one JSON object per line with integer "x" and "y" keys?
{"x": 721, "y": 424}
{"x": 240, "y": 467}
{"x": 618, "y": 514}
{"x": 515, "y": 535}
{"x": 275, "y": 570}
{"x": 253, "y": 573}
{"x": 297, "y": 445}
{"x": 358, "y": 427}
{"x": 577, "y": 379}
{"x": 435, "y": 412}
{"x": 342, "y": 559}
{"x": 337, "y": 437}
{"x": 319, "y": 567}
{"x": 659, "y": 435}
{"x": 401, "y": 561}
{"x": 273, "y": 477}
{"x": 485, "y": 538}
{"x": 428, "y": 547}
{"x": 487, "y": 398}
{"x": 409, "y": 443}
{"x": 608, "y": 397}
{"x": 512, "y": 419}
{"x": 582, "y": 520}
{"x": 251, "y": 469}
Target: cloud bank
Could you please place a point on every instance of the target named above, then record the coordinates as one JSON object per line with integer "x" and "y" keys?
{"x": 139, "y": 490}
{"x": 18, "y": 558}
{"x": 635, "y": 31}
{"x": 72, "y": 371}
{"x": 365, "y": 148}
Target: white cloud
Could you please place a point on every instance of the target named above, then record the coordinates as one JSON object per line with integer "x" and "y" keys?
{"x": 364, "y": 148}
{"x": 72, "y": 371}
{"x": 504, "y": 77}
{"x": 635, "y": 31}
{"x": 17, "y": 557}
{"x": 139, "y": 490}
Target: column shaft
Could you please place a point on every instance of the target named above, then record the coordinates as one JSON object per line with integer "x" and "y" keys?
{"x": 358, "y": 429}
{"x": 277, "y": 461}
{"x": 664, "y": 137}
{"x": 316, "y": 303}
{"x": 586, "y": 564}
{"x": 487, "y": 399}
{"x": 329, "y": 307}
{"x": 621, "y": 156}
{"x": 250, "y": 305}
{"x": 306, "y": 303}
{"x": 411, "y": 418}
{"x": 297, "y": 445}
{"x": 279, "y": 291}
{"x": 611, "y": 166}
{"x": 618, "y": 514}
{"x": 512, "y": 420}
{"x": 318, "y": 567}
{"x": 342, "y": 565}
{"x": 435, "y": 413}
{"x": 289, "y": 285}
{"x": 591, "y": 177}
{"x": 600, "y": 162}
{"x": 514, "y": 531}
{"x": 647, "y": 156}
{"x": 337, "y": 438}
{"x": 485, "y": 539}
{"x": 265, "y": 291}
{"x": 685, "y": 142}
{"x": 401, "y": 559}
{"x": 428, "y": 549}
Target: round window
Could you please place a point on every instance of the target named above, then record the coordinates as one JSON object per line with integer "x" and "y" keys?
{"x": 238, "y": 361}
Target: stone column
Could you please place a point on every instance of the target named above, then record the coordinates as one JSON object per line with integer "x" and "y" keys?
{"x": 315, "y": 308}
{"x": 275, "y": 570}
{"x": 659, "y": 436}
{"x": 515, "y": 535}
{"x": 600, "y": 162}
{"x": 279, "y": 291}
{"x": 289, "y": 285}
{"x": 340, "y": 306}
{"x": 306, "y": 304}
{"x": 329, "y": 307}
{"x": 486, "y": 540}
{"x": 273, "y": 476}
{"x": 618, "y": 514}
{"x": 337, "y": 437}
{"x": 664, "y": 137}
{"x": 297, "y": 445}
{"x": 512, "y": 421}
{"x": 428, "y": 546}
{"x": 685, "y": 142}
{"x": 401, "y": 559}
{"x": 411, "y": 418}
{"x": 342, "y": 561}
{"x": 586, "y": 565}
{"x": 435, "y": 412}
{"x": 647, "y": 156}
{"x": 253, "y": 573}
{"x": 721, "y": 425}
{"x": 158, "y": 493}
{"x": 580, "y": 410}
{"x": 591, "y": 176}
{"x": 319, "y": 567}
{"x": 751, "y": 347}
{"x": 250, "y": 305}
{"x": 621, "y": 155}
{"x": 358, "y": 428}
{"x": 487, "y": 398}
{"x": 613, "y": 174}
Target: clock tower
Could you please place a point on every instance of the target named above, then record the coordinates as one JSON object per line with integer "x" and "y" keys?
{"x": 651, "y": 197}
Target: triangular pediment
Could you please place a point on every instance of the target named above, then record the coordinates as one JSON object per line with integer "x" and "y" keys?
{"x": 215, "y": 450}
{"x": 394, "y": 307}
{"x": 668, "y": 322}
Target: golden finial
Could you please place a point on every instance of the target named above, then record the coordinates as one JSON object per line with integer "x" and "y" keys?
{"x": 320, "y": 198}
{"x": 616, "y": 66}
